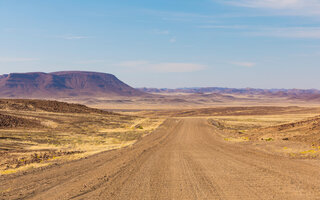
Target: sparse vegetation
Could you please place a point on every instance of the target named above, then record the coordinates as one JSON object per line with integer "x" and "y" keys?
{"x": 286, "y": 132}
{"x": 268, "y": 139}
{"x": 239, "y": 139}
{"x": 36, "y": 136}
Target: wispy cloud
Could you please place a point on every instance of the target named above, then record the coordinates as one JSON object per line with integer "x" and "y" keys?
{"x": 244, "y": 64}
{"x": 303, "y": 32}
{"x": 177, "y": 67}
{"x": 161, "y": 32}
{"x": 87, "y": 62}
{"x": 287, "y": 7}
{"x": 180, "y": 16}
{"x": 72, "y": 37}
{"x": 166, "y": 33}
{"x": 223, "y": 26}
{"x": 12, "y": 60}
{"x": 173, "y": 40}
{"x": 133, "y": 63}
{"x": 275, "y": 4}
{"x": 290, "y": 32}
{"x": 167, "y": 67}
{"x": 9, "y": 30}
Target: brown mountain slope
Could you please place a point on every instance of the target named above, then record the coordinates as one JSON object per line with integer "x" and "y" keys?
{"x": 64, "y": 84}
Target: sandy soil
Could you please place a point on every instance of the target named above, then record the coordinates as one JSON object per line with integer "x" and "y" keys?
{"x": 183, "y": 159}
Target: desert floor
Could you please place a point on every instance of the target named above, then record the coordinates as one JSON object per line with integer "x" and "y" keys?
{"x": 209, "y": 153}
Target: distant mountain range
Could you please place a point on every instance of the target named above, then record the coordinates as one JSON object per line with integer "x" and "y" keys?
{"x": 63, "y": 84}
{"x": 79, "y": 84}
{"x": 228, "y": 90}
{"x": 290, "y": 94}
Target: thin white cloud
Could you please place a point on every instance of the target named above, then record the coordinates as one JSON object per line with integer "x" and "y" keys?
{"x": 167, "y": 33}
{"x": 286, "y": 7}
{"x": 273, "y": 4}
{"x": 244, "y": 64}
{"x": 12, "y": 60}
{"x": 167, "y": 67}
{"x": 173, "y": 40}
{"x": 180, "y": 16}
{"x": 281, "y": 32}
{"x": 9, "y": 29}
{"x": 87, "y": 62}
{"x": 223, "y": 27}
{"x": 303, "y": 32}
{"x": 177, "y": 67}
{"x": 291, "y": 32}
{"x": 73, "y": 37}
{"x": 133, "y": 63}
{"x": 174, "y": 14}
{"x": 161, "y": 32}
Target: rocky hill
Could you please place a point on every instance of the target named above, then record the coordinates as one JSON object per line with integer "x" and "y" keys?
{"x": 46, "y": 106}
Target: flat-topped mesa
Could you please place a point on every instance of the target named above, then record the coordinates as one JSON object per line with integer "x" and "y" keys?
{"x": 64, "y": 84}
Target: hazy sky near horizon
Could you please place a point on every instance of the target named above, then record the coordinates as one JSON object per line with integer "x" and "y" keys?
{"x": 167, "y": 43}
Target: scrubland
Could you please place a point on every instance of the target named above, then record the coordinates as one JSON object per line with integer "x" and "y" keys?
{"x": 32, "y": 137}
{"x": 292, "y": 135}
{"x": 37, "y": 133}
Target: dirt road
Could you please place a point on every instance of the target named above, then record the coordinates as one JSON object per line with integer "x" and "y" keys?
{"x": 183, "y": 159}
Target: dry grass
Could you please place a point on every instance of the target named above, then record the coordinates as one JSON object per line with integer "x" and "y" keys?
{"x": 67, "y": 136}
{"x": 297, "y": 141}
{"x": 249, "y": 122}
{"x": 237, "y": 139}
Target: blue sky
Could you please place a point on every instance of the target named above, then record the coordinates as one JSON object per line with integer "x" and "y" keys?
{"x": 167, "y": 43}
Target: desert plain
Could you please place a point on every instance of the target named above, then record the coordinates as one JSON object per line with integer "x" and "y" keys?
{"x": 55, "y": 150}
